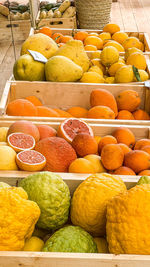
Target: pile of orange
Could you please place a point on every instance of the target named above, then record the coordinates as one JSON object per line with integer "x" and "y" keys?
{"x": 103, "y": 106}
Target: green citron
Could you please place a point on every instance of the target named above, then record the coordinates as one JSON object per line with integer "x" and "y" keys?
{"x": 74, "y": 50}
{"x": 144, "y": 180}
{"x": 52, "y": 195}
{"x": 62, "y": 69}
{"x": 27, "y": 69}
{"x": 71, "y": 239}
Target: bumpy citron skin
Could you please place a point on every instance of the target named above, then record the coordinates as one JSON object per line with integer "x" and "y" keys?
{"x": 18, "y": 217}
{"x": 88, "y": 207}
{"x": 128, "y": 221}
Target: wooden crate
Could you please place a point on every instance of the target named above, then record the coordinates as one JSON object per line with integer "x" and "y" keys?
{"x": 56, "y": 95}
{"x": 57, "y": 259}
{"x": 63, "y": 22}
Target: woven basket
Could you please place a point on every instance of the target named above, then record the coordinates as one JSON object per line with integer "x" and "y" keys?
{"x": 93, "y": 14}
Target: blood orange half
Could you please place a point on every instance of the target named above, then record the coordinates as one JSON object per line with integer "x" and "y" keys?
{"x": 20, "y": 141}
{"x": 30, "y": 160}
{"x": 70, "y": 127}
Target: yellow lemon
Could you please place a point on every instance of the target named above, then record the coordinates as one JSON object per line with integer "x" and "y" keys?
{"x": 110, "y": 80}
{"x": 33, "y": 244}
{"x": 138, "y": 60}
{"x": 102, "y": 244}
{"x": 131, "y": 51}
{"x": 92, "y": 77}
{"x": 124, "y": 75}
{"x": 96, "y": 162}
{"x": 115, "y": 44}
{"x": 3, "y": 134}
{"x": 120, "y": 36}
{"x": 121, "y": 59}
{"x": 105, "y": 36}
{"x": 143, "y": 75}
{"x": 81, "y": 165}
{"x": 131, "y": 42}
{"x": 90, "y": 48}
{"x": 7, "y": 158}
{"x": 96, "y": 54}
{"x": 97, "y": 62}
{"x": 94, "y": 40}
{"x": 111, "y": 28}
{"x": 109, "y": 55}
{"x": 114, "y": 67}
{"x": 96, "y": 69}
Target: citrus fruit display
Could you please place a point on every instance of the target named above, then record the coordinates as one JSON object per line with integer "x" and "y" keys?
{"x": 71, "y": 239}
{"x": 103, "y": 105}
{"x": 33, "y": 244}
{"x": 52, "y": 195}
{"x": 21, "y": 141}
{"x": 30, "y": 160}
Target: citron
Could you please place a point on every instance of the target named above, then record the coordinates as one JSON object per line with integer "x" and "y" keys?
{"x": 115, "y": 44}
{"x": 81, "y": 165}
{"x": 92, "y": 77}
{"x": 120, "y": 37}
{"x": 105, "y": 36}
{"x": 33, "y": 244}
{"x": 94, "y": 40}
{"x": 96, "y": 54}
{"x": 109, "y": 55}
{"x": 96, "y": 161}
{"x": 138, "y": 60}
{"x": 89, "y": 202}
{"x": 3, "y": 133}
{"x": 7, "y": 158}
{"x": 114, "y": 67}
{"x": 102, "y": 244}
{"x": 96, "y": 69}
{"x": 124, "y": 75}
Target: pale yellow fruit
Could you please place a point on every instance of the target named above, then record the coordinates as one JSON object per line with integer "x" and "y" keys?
{"x": 90, "y": 48}
{"x": 138, "y": 60}
{"x": 124, "y": 75}
{"x": 110, "y": 80}
{"x": 143, "y": 75}
{"x": 96, "y": 69}
{"x": 92, "y": 77}
{"x": 131, "y": 51}
{"x": 105, "y": 36}
{"x": 3, "y": 144}
{"x": 96, "y": 54}
{"x": 97, "y": 62}
{"x": 3, "y": 134}
{"x": 109, "y": 55}
{"x": 102, "y": 244}
{"x": 96, "y": 161}
{"x": 131, "y": 42}
{"x": 97, "y": 138}
{"x": 81, "y": 165}
{"x": 94, "y": 40}
{"x": 7, "y": 158}
{"x": 120, "y": 36}
{"x": 115, "y": 44}
{"x": 114, "y": 67}
{"x": 33, "y": 244}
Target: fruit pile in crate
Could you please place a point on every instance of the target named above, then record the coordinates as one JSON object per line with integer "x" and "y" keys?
{"x": 15, "y": 10}
{"x": 41, "y": 214}
{"x": 74, "y": 146}
{"x": 70, "y": 62}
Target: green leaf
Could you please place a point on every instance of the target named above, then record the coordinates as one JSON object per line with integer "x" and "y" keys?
{"x": 136, "y": 73}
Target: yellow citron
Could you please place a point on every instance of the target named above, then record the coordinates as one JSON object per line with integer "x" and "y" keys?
{"x": 124, "y": 75}
{"x": 33, "y": 244}
{"x": 97, "y": 62}
{"x": 96, "y": 162}
{"x": 111, "y": 28}
{"x": 128, "y": 221}
{"x": 115, "y": 44}
{"x": 96, "y": 69}
{"x": 143, "y": 75}
{"x": 131, "y": 51}
{"x": 138, "y": 60}
{"x": 90, "y": 48}
{"x": 109, "y": 55}
{"x": 120, "y": 36}
{"x": 114, "y": 67}
{"x": 96, "y": 54}
{"x": 81, "y": 165}
{"x": 7, "y": 158}
{"x": 105, "y": 36}
{"x": 94, "y": 40}
{"x": 102, "y": 244}
{"x": 131, "y": 42}
{"x": 89, "y": 202}
{"x": 92, "y": 77}
{"x": 97, "y": 138}
{"x": 3, "y": 134}
{"x": 110, "y": 80}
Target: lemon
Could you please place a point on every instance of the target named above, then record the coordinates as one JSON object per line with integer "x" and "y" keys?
{"x": 7, "y": 158}
{"x": 96, "y": 161}
{"x": 96, "y": 69}
{"x": 131, "y": 51}
{"x": 120, "y": 37}
{"x": 117, "y": 45}
{"x": 97, "y": 138}
{"x": 143, "y": 75}
{"x": 138, "y": 60}
{"x": 81, "y": 165}
{"x": 90, "y": 48}
{"x": 109, "y": 55}
{"x": 97, "y": 62}
{"x": 102, "y": 245}
{"x": 114, "y": 67}
{"x": 96, "y": 54}
{"x": 3, "y": 134}
{"x": 110, "y": 80}
{"x": 121, "y": 59}
{"x": 33, "y": 244}
{"x": 124, "y": 75}
{"x": 131, "y": 42}
{"x": 105, "y": 36}
{"x": 92, "y": 77}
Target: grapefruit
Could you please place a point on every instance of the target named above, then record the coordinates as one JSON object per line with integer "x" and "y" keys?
{"x": 26, "y": 127}
{"x": 30, "y": 160}
{"x": 46, "y": 131}
{"x": 20, "y": 141}
{"x": 70, "y": 127}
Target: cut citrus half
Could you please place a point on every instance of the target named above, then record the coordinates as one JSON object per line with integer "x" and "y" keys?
{"x": 20, "y": 141}
{"x": 30, "y": 160}
{"x": 70, "y": 127}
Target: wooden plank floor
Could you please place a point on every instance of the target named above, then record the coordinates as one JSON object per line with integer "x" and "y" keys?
{"x": 131, "y": 15}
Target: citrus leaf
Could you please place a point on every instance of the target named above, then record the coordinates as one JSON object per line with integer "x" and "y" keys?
{"x": 136, "y": 73}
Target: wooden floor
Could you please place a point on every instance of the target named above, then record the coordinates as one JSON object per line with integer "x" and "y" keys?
{"x": 131, "y": 15}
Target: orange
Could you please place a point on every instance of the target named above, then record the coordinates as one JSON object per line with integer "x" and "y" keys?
{"x": 125, "y": 115}
{"x": 146, "y": 149}
{"x": 137, "y": 160}
{"x": 78, "y": 112}
{"x": 57, "y": 37}
{"x": 120, "y": 37}
{"x": 108, "y": 139}
{"x": 46, "y": 112}
{"x": 81, "y": 166}
{"x": 46, "y": 30}
{"x": 94, "y": 40}
{"x": 145, "y": 172}
{"x": 62, "y": 113}
{"x": 21, "y": 107}
{"x": 124, "y": 171}
{"x": 125, "y": 136}
{"x": 105, "y": 36}
{"x": 90, "y": 48}
{"x": 111, "y": 28}
{"x": 124, "y": 148}
{"x": 84, "y": 144}
{"x": 140, "y": 115}
{"x": 81, "y": 35}
{"x": 128, "y": 100}
{"x": 66, "y": 38}
{"x": 141, "y": 143}
{"x": 112, "y": 156}
{"x": 34, "y": 100}
{"x": 101, "y": 112}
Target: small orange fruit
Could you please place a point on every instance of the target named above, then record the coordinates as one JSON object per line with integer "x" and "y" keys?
{"x": 62, "y": 113}
{"x": 81, "y": 165}
{"x": 146, "y": 149}
{"x": 145, "y": 172}
{"x": 21, "y": 107}
{"x": 120, "y": 37}
{"x": 46, "y": 30}
{"x": 94, "y": 40}
{"x": 78, "y": 112}
{"x": 124, "y": 148}
{"x": 84, "y": 144}
{"x": 131, "y": 42}
{"x": 125, "y": 136}
{"x": 125, "y": 115}
{"x": 101, "y": 112}
{"x": 114, "y": 67}
{"x": 124, "y": 171}
{"x": 34, "y": 100}
{"x": 140, "y": 115}
{"x": 81, "y": 35}
{"x": 108, "y": 139}
{"x": 112, "y": 156}
{"x": 138, "y": 60}
{"x": 128, "y": 100}
{"x": 137, "y": 160}
{"x": 111, "y": 28}
{"x": 141, "y": 143}
{"x": 105, "y": 36}
{"x": 57, "y": 37}
{"x": 46, "y": 112}
{"x": 66, "y": 38}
